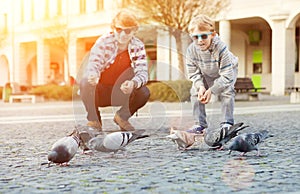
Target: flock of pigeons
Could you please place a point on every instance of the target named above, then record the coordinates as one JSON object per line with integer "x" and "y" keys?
{"x": 82, "y": 137}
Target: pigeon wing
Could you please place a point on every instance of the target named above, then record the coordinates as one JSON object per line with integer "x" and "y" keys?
{"x": 218, "y": 137}
{"x": 117, "y": 140}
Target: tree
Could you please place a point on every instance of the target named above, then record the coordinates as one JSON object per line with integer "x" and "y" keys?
{"x": 176, "y": 15}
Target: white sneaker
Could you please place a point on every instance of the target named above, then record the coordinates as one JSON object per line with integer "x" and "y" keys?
{"x": 225, "y": 125}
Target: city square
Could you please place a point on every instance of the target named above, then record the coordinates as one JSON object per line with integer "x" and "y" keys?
{"x": 153, "y": 164}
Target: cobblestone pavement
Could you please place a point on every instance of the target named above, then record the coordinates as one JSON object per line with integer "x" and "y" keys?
{"x": 152, "y": 165}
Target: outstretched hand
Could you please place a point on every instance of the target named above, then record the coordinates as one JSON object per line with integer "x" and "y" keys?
{"x": 204, "y": 95}
{"x": 127, "y": 86}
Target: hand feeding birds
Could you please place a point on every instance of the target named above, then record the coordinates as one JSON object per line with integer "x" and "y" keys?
{"x": 115, "y": 141}
{"x": 248, "y": 142}
{"x": 64, "y": 149}
{"x": 217, "y": 138}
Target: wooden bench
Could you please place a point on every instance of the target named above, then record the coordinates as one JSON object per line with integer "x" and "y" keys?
{"x": 245, "y": 89}
{"x": 294, "y": 94}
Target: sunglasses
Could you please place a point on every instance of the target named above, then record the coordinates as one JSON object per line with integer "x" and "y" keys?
{"x": 126, "y": 30}
{"x": 201, "y": 36}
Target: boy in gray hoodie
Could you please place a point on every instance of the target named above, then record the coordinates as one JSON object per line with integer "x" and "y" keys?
{"x": 213, "y": 70}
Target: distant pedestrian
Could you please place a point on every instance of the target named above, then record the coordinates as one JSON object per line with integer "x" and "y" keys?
{"x": 116, "y": 74}
{"x": 213, "y": 70}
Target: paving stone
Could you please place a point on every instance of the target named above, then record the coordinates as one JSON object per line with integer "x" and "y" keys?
{"x": 152, "y": 165}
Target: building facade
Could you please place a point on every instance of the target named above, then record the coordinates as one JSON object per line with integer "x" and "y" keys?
{"x": 46, "y": 41}
{"x": 264, "y": 35}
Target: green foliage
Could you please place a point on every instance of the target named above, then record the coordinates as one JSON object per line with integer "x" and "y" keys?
{"x": 164, "y": 91}
{"x": 170, "y": 91}
{"x": 54, "y": 92}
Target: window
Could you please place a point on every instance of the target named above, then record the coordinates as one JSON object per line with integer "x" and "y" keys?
{"x": 59, "y": 7}
{"x": 3, "y": 23}
{"x": 22, "y": 12}
{"x": 125, "y": 3}
{"x": 47, "y": 7}
{"x": 82, "y": 6}
{"x": 31, "y": 10}
{"x": 100, "y": 5}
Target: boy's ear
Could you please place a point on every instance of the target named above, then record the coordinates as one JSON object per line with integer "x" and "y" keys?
{"x": 214, "y": 33}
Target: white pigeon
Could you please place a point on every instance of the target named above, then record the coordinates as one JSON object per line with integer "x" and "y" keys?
{"x": 64, "y": 149}
{"x": 217, "y": 138}
{"x": 115, "y": 141}
{"x": 183, "y": 139}
{"x": 248, "y": 142}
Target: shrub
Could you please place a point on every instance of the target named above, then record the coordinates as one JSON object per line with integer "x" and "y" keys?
{"x": 164, "y": 91}
{"x": 1, "y": 92}
{"x": 54, "y": 92}
{"x": 170, "y": 91}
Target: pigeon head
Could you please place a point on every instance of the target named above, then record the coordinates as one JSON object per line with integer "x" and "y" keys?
{"x": 264, "y": 134}
{"x": 234, "y": 145}
{"x": 94, "y": 143}
{"x": 74, "y": 133}
{"x": 52, "y": 156}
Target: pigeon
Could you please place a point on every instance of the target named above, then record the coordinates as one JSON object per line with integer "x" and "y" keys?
{"x": 85, "y": 134}
{"x": 85, "y": 137}
{"x": 115, "y": 141}
{"x": 64, "y": 149}
{"x": 248, "y": 142}
{"x": 183, "y": 139}
{"x": 218, "y": 138}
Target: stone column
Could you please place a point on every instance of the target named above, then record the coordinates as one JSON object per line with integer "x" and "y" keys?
{"x": 279, "y": 35}
{"x": 72, "y": 52}
{"x": 163, "y": 55}
{"x": 291, "y": 53}
{"x": 16, "y": 65}
{"x": 225, "y": 32}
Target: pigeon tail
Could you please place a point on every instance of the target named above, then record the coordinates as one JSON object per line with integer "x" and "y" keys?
{"x": 236, "y": 128}
{"x": 232, "y": 132}
{"x": 142, "y": 136}
{"x": 137, "y": 135}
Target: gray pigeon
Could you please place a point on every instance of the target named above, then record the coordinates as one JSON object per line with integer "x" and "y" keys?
{"x": 64, "y": 149}
{"x": 248, "y": 141}
{"x": 115, "y": 141}
{"x": 217, "y": 138}
{"x": 85, "y": 134}
{"x": 183, "y": 139}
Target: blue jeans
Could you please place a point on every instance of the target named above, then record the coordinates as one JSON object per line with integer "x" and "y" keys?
{"x": 227, "y": 103}
{"x": 102, "y": 95}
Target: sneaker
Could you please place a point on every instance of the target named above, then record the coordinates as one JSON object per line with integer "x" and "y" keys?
{"x": 226, "y": 125}
{"x": 95, "y": 124}
{"x": 196, "y": 129}
{"x": 123, "y": 124}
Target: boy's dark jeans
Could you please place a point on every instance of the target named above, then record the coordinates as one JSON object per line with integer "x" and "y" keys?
{"x": 106, "y": 95}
